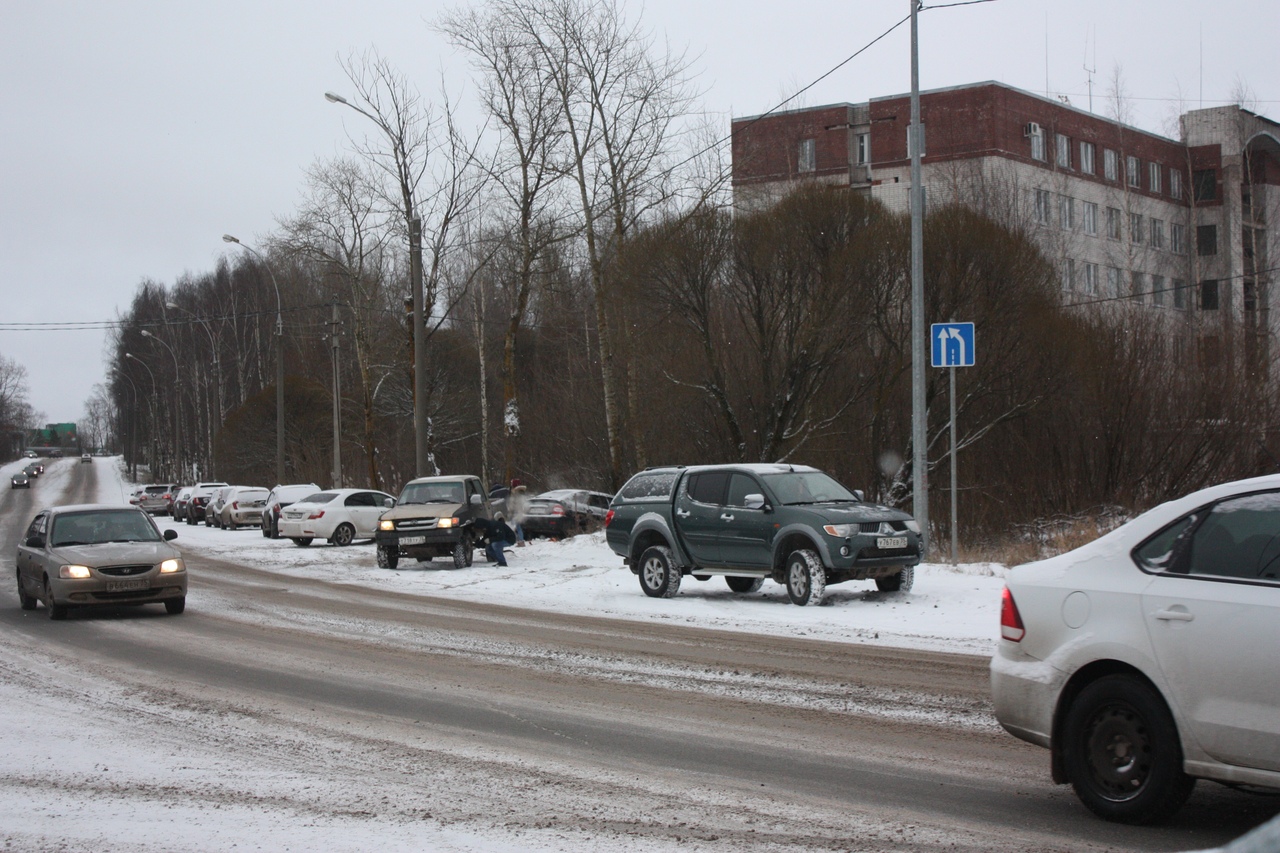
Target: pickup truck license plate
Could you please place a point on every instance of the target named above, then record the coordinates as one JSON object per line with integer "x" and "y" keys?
{"x": 891, "y": 543}
{"x": 127, "y": 586}
{"x": 412, "y": 540}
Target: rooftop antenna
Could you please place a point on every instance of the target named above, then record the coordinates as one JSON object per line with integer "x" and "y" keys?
{"x": 1201, "y": 65}
{"x": 1094, "y": 69}
{"x": 1046, "y": 54}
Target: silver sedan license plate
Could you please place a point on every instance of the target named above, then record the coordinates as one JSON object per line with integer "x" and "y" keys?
{"x": 412, "y": 540}
{"x": 127, "y": 586}
{"x": 891, "y": 543}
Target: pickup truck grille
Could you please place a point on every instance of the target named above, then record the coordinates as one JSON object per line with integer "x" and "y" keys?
{"x": 874, "y": 526}
{"x": 416, "y": 524}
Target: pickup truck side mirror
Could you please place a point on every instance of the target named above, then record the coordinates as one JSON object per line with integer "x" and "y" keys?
{"x": 170, "y": 534}
{"x": 754, "y": 502}
{"x": 860, "y": 495}
{"x": 35, "y": 541}
{"x": 476, "y": 500}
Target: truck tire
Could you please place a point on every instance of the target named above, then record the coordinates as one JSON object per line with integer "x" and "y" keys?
{"x": 806, "y": 578}
{"x": 741, "y": 584}
{"x": 463, "y": 552}
{"x": 388, "y": 558}
{"x": 659, "y": 575}
{"x": 901, "y": 582}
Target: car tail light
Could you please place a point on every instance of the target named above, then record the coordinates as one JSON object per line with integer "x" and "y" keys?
{"x": 1010, "y": 620}
{"x": 557, "y": 510}
{"x": 235, "y": 504}
{"x": 608, "y": 517}
{"x": 317, "y": 514}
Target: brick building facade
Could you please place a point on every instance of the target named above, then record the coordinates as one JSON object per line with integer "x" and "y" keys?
{"x": 1182, "y": 227}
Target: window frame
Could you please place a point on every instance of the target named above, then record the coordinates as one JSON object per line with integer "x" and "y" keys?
{"x": 1087, "y": 152}
{"x": 807, "y": 156}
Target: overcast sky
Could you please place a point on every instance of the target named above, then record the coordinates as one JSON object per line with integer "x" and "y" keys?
{"x": 135, "y": 134}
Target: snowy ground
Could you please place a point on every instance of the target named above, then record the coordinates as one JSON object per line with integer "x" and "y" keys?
{"x": 81, "y": 792}
{"x": 953, "y": 609}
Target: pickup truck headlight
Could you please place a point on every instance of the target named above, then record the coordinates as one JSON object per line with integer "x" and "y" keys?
{"x": 79, "y": 572}
{"x": 840, "y": 531}
{"x": 386, "y": 524}
{"x": 447, "y": 522}
{"x": 913, "y": 525}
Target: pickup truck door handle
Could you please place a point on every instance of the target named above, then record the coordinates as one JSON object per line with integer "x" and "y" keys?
{"x": 1174, "y": 615}
{"x": 682, "y": 513}
{"x": 726, "y": 517}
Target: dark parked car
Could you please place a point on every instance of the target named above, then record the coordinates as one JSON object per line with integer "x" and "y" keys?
{"x": 201, "y": 493}
{"x": 93, "y": 554}
{"x": 564, "y": 512}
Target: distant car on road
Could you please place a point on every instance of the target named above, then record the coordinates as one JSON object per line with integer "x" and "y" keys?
{"x": 157, "y": 499}
{"x": 339, "y": 515}
{"x": 93, "y": 554}
{"x": 86, "y": 458}
{"x": 281, "y": 497}
{"x": 34, "y": 469}
{"x": 20, "y": 480}
{"x": 1145, "y": 659}
{"x": 31, "y": 454}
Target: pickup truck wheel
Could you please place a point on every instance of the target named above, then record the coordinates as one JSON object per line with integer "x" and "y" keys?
{"x": 740, "y": 584}
{"x": 388, "y": 558}
{"x": 463, "y": 552}
{"x": 901, "y": 582}
{"x": 659, "y": 577}
{"x": 806, "y": 578}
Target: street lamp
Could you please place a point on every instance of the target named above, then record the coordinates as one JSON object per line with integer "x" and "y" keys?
{"x": 227, "y": 238}
{"x": 213, "y": 350}
{"x": 177, "y": 420}
{"x": 150, "y": 404}
{"x": 422, "y": 451}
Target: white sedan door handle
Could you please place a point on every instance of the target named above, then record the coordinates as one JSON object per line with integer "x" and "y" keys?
{"x": 1174, "y": 615}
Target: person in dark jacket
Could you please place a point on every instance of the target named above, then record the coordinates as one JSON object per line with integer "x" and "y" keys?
{"x": 495, "y": 534}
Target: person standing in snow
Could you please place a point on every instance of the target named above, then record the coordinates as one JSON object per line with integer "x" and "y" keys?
{"x": 495, "y": 533}
{"x": 517, "y": 507}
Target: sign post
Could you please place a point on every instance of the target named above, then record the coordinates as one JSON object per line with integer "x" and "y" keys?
{"x": 953, "y": 346}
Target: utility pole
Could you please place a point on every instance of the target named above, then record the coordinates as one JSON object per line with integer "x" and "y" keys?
{"x": 421, "y": 444}
{"x": 919, "y": 424}
{"x": 337, "y": 399}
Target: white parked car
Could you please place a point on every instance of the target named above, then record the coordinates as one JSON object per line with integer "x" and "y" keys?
{"x": 338, "y": 515}
{"x": 1147, "y": 659}
{"x": 241, "y": 505}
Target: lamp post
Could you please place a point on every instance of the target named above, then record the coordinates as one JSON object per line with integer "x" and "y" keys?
{"x": 217, "y": 404}
{"x": 919, "y": 413}
{"x": 150, "y": 402}
{"x": 177, "y": 409}
{"x": 421, "y": 449}
{"x": 227, "y": 238}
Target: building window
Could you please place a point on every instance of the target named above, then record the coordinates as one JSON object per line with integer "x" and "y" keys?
{"x": 1036, "y": 134}
{"x": 1110, "y": 165}
{"x": 1135, "y": 228}
{"x": 1157, "y": 233}
{"x": 1209, "y": 294}
{"x": 863, "y": 142}
{"x": 1133, "y": 171}
{"x": 1043, "y": 203}
{"x": 1137, "y": 286}
{"x": 1179, "y": 293}
{"x": 1157, "y": 290}
{"x": 1066, "y": 212}
{"x": 1113, "y": 223}
{"x": 1064, "y": 152}
{"x": 1086, "y": 157}
{"x": 1113, "y": 281}
{"x": 1177, "y": 237}
{"x": 1089, "y": 218}
{"x": 1205, "y": 185}
{"x": 808, "y": 155}
{"x": 1069, "y": 274}
{"x": 1091, "y": 279}
{"x": 1175, "y": 183}
{"x": 1206, "y": 239}
{"x": 1153, "y": 177}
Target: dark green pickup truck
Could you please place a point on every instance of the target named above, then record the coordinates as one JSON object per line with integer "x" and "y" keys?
{"x": 789, "y": 523}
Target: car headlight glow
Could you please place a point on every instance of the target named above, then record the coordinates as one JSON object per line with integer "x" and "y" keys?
{"x": 386, "y": 524}
{"x": 80, "y": 572}
{"x": 913, "y": 525}
{"x": 169, "y": 566}
{"x": 447, "y": 522}
{"x": 840, "y": 531}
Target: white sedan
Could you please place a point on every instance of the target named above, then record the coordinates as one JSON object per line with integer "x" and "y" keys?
{"x": 338, "y": 515}
{"x": 1146, "y": 659}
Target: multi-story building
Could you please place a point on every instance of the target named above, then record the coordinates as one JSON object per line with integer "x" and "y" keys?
{"x": 1130, "y": 217}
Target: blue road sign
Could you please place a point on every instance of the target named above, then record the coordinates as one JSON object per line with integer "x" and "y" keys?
{"x": 952, "y": 344}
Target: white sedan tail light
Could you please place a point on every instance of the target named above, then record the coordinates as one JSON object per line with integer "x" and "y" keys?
{"x": 1010, "y": 619}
